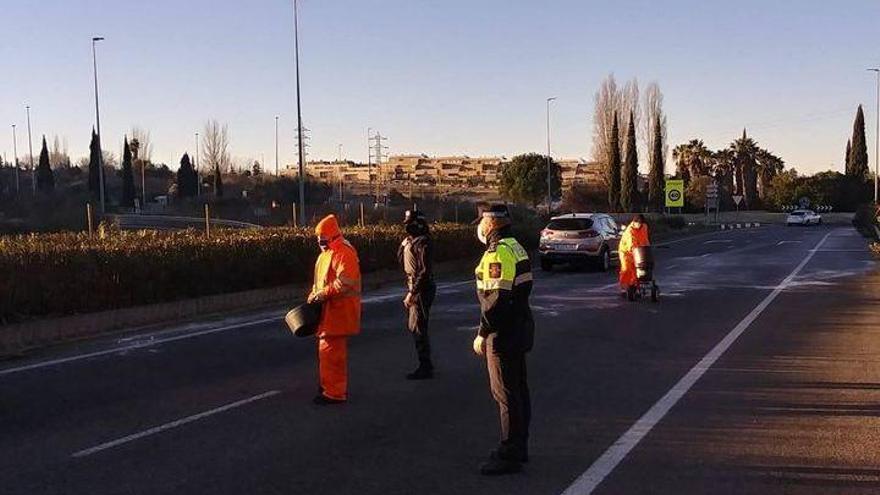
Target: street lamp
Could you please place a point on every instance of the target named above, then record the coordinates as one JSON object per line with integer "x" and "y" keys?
{"x": 299, "y": 122}
{"x": 31, "y": 151}
{"x": 15, "y": 157}
{"x": 198, "y": 170}
{"x": 95, "y": 40}
{"x": 877, "y": 135}
{"x": 549, "y": 195}
{"x": 276, "y": 146}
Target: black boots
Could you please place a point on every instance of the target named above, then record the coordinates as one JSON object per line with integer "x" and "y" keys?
{"x": 425, "y": 371}
{"x": 504, "y": 460}
{"x": 323, "y": 400}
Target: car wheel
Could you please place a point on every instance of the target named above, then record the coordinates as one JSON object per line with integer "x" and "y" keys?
{"x": 546, "y": 265}
{"x": 603, "y": 264}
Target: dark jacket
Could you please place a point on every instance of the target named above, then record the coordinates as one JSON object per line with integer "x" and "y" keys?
{"x": 416, "y": 256}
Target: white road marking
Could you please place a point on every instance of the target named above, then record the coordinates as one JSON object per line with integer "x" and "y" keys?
{"x": 788, "y": 242}
{"x": 718, "y": 241}
{"x": 604, "y": 465}
{"x": 149, "y": 341}
{"x": 173, "y": 424}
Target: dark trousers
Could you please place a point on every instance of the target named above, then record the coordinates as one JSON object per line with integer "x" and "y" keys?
{"x": 419, "y": 313}
{"x": 510, "y": 388}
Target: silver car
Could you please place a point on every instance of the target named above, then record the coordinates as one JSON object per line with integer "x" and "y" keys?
{"x": 803, "y": 217}
{"x": 579, "y": 238}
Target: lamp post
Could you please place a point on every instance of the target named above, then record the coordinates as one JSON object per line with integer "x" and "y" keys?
{"x": 299, "y": 122}
{"x": 276, "y": 146}
{"x": 15, "y": 157}
{"x": 877, "y": 135}
{"x": 198, "y": 171}
{"x": 31, "y": 151}
{"x": 95, "y": 40}
{"x": 549, "y": 193}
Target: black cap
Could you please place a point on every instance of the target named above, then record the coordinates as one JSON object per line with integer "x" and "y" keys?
{"x": 497, "y": 210}
{"x": 413, "y": 216}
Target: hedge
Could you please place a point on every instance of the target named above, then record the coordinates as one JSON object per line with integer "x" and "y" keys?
{"x": 70, "y": 273}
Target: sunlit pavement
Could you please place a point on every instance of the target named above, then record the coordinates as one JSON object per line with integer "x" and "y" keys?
{"x": 790, "y": 407}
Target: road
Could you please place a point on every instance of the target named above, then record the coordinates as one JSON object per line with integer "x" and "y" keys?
{"x": 756, "y": 373}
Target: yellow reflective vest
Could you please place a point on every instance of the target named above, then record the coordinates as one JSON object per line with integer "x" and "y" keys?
{"x": 504, "y": 284}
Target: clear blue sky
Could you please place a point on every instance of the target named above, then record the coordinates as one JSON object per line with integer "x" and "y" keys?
{"x": 439, "y": 77}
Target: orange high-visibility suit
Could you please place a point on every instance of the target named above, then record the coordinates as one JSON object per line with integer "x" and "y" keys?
{"x": 632, "y": 238}
{"x": 338, "y": 284}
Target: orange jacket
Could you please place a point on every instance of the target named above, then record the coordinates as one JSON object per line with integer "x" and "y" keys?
{"x": 338, "y": 278}
{"x": 632, "y": 238}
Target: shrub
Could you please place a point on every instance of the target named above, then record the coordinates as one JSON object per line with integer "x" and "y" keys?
{"x": 69, "y": 273}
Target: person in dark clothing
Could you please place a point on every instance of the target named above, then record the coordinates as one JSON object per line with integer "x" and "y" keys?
{"x": 506, "y": 334}
{"x": 416, "y": 258}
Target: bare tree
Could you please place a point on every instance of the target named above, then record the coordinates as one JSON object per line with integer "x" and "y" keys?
{"x": 145, "y": 144}
{"x": 652, "y": 107}
{"x": 215, "y": 143}
{"x": 606, "y": 103}
{"x": 611, "y": 99}
{"x": 58, "y": 156}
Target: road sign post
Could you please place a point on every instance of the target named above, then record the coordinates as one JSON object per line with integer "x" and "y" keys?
{"x": 674, "y": 193}
{"x": 737, "y": 199}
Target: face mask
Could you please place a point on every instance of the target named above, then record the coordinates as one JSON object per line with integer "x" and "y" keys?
{"x": 415, "y": 229}
{"x": 481, "y": 236}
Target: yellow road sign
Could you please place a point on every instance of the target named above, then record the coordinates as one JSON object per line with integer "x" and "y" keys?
{"x": 675, "y": 193}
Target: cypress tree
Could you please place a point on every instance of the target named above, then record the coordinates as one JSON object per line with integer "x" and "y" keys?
{"x": 846, "y": 164}
{"x": 128, "y": 192}
{"x": 656, "y": 175}
{"x": 94, "y": 163}
{"x": 629, "y": 181}
{"x": 858, "y": 162}
{"x": 186, "y": 180}
{"x": 612, "y": 173}
{"x": 45, "y": 176}
{"x": 218, "y": 182}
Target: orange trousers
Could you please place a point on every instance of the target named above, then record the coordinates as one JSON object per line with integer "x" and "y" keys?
{"x": 333, "y": 366}
{"x": 627, "y": 277}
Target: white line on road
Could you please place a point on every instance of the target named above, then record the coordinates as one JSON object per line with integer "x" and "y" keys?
{"x": 604, "y": 465}
{"x": 190, "y": 335}
{"x": 173, "y": 424}
{"x": 718, "y": 241}
{"x": 788, "y": 242}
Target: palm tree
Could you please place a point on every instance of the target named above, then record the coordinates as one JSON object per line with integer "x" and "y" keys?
{"x": 692, "y": 159}
{"x": 745, "y": 150}
{"x": 724, "y": 170}
{"x": 768, "y": 166}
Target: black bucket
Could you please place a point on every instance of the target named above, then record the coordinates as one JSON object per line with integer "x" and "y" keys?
{"x": 303, "y": 320}
{"x": 644, "y": 259}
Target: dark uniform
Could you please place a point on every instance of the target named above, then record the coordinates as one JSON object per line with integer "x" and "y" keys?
{"x": 504, "y": 283}
{"x": 416, "y": 258}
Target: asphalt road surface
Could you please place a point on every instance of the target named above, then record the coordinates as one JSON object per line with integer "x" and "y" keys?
{"x": 758, "y": 372}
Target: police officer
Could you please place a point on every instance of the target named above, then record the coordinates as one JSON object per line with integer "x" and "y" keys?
{"x": 416, "y": 258}
{"x": 504, "y": 282}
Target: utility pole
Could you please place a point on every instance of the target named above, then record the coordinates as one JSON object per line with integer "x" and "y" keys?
{"x": 369, "y": 161}
{"x": 276, "y": 146}
{"x": 877, "y": 136}
{"x": 31, "y": 151}
{"x": 340, "y": 153}
{"x": 98, "y": 126}
{"x": 549, "y": 191}
{"x": 15, "y": 157}
{"x": 198, "y": 171}
{"x": 378, "y": 152}
{"x": 299, "y": 121}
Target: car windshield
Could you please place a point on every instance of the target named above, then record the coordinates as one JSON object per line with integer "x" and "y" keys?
{"x": 570, "y": 224}
{"x": 798, "y": 213}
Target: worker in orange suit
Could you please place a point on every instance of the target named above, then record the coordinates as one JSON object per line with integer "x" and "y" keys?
{"x": 338, "y": 287}
{"x": 635, "y": 235}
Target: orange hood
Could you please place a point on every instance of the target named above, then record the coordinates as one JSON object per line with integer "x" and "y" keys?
{"x": 328, "y": 228}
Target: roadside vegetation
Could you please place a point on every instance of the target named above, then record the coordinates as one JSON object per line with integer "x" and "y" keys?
{"x": 70, "y": 273}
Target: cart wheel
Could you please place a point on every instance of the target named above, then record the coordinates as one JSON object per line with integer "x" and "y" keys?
{"x": 655, "y": 293}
